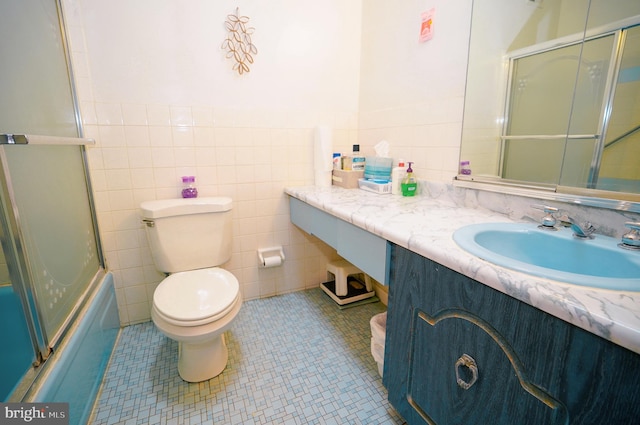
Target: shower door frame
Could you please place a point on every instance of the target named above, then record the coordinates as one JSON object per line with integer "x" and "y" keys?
{"x": 618, "y": 31}
{"x": 44, "y": 344}
{"x": 20, "y": 274}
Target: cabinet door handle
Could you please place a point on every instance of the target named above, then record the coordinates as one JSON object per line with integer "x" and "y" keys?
{"x": 468, "y": 362}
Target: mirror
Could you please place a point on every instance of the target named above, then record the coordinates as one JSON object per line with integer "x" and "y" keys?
{"x": 553, "y": 98}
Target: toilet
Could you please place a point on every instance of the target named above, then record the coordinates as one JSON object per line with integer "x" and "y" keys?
{"x": 197, "y": 302}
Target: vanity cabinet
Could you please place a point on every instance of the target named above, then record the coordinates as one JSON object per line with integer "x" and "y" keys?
{"x": 361, "y": 248}
{"x": 460, "y": 352}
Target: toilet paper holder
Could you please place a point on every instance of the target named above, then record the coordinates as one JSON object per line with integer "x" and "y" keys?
{"x": 271, "y": 257}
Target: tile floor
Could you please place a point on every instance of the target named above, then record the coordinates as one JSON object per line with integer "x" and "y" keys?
{"x": 293, "y": 359}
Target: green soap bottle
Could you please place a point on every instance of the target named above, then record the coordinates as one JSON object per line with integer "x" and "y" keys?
{"x": 409, "y": 184}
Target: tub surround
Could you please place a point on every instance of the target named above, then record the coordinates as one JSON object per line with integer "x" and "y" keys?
{"x": 74, "y": 373}
{"x": 425, "y": 225}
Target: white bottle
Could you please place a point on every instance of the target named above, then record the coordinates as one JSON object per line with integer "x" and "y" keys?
{"x": 397, "y": 174}
{"x": 357, "y": 160}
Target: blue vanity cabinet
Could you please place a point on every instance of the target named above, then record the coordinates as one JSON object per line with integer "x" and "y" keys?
{"x": 460, "y": 352}
{"x": 361, "y": 248}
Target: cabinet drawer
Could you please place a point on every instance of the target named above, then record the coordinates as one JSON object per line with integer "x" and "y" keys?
{"x": 314, "y": 221}
{"x": 364, "y": 250}
{"x": 368, "y": 252}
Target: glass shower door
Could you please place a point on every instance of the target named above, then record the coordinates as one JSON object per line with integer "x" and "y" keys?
{"x": 619, "y": 169}
{"x": 51, "y": 199}
{"x": 573, "y": 115}
{"x": 36, "y": 95}
{"x": 49, "y": 237}
{"x": 539, "y": 110}
{"x": 581, "y": 159}
{"x": 555, "y": 108}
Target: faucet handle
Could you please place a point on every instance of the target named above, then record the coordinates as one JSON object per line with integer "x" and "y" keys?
{"x": 633, "y": 225}
{"x": 548, "y": 222}
{"x": 631, "y": 239}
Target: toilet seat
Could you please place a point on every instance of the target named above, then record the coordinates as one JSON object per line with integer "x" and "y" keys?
{"x": 196, "y": 297}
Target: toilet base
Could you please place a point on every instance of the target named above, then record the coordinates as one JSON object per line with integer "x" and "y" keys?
{"x": 202, "y": 351}
{"x": 202, "y": 361}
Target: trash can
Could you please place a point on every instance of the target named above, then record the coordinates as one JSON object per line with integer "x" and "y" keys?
{"x": 378, "y": 332}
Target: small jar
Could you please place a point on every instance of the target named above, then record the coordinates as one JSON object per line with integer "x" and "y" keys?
{"x": 465, "y": 167}
{"x": 189, "y": 189}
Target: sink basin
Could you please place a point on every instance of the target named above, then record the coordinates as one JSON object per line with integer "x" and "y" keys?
{"x": 556, "y": 255}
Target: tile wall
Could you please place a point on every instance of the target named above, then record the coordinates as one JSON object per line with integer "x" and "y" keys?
{"x": 141, "y": 154}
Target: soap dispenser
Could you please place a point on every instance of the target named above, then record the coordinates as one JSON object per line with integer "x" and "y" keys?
{"x": 409, "y": 183}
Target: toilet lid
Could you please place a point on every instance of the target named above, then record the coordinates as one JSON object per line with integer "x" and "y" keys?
{"x": 196, "y": 294}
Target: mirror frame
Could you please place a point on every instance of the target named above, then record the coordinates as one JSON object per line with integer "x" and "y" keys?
{"x": 622, "y": 201}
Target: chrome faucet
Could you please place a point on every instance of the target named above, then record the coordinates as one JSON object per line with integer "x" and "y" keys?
{"x": 631, "y": 239}
{"x": 548, "y": 222}
{"x": 582, "y": 231}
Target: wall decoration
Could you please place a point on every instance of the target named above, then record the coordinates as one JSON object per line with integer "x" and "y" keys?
{"x": 426, "y": 25}
{"x": 238, "y": 42}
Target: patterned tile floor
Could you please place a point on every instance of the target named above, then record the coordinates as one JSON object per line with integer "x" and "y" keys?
{"x": 293, "y": 359}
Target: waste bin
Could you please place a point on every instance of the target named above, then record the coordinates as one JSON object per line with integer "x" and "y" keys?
{"x": 378, "y": 332}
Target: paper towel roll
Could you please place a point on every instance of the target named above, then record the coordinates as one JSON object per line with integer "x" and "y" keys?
{"x": 322, "y": 156}
{"x": 322, "y": 178}
{"x": 274, "y": 261}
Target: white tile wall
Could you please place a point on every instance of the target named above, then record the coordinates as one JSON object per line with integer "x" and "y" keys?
{"x": 134, "y": 163}
{"x": 412, "y": 93}
{"x": 430, "y": 140}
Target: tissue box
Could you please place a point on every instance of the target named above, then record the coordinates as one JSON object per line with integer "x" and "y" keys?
{"x": 375, "y": 186}
{"x": 346, "y": 179}
{"x": 378, "y": 168}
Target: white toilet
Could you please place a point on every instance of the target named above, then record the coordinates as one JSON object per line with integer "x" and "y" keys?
{"x": 197, "y": 302}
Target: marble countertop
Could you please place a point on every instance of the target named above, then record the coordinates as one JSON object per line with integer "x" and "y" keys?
{"x": 425, "y": 225}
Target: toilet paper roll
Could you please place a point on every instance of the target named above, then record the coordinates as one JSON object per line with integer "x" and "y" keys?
{"x": 274, "y": 261}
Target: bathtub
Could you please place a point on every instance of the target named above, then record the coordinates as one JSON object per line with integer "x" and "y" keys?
{"x": 15, "y": 362}
{"x": 74, "y": 372}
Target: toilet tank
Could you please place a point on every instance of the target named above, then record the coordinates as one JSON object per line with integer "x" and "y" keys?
{"x": 188, "y": 234}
